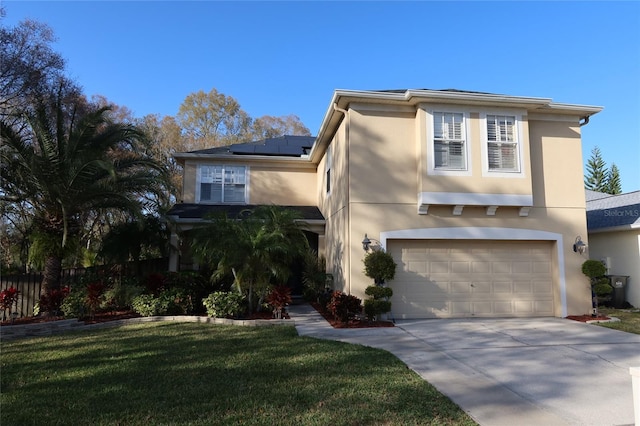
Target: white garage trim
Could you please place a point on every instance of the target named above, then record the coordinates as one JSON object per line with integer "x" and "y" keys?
{"x": 483, "y": 233}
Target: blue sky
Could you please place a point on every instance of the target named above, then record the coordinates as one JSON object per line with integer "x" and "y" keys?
{"x": 280, "y": 58}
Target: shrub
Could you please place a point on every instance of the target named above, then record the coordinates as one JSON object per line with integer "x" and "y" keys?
{"x": 314, "y": 276}
{"x": 149, "y": 305}
{"x": 602, "y": 287}
{"x": 380, "y": 266}
{"x": 278, "y": 298}
{"x": 177, "y": 301}
{"x": 344, "y": 306}
{"x": 154, "y": 283}
{"x": 75, "y": 304}
{"x": 593, "y": 268}
{"x": 51, "y": 301}
{"x": 8, "y": 297}
{"x": 223, "y": 304}
{"x": 95, "y": 296}
{"x": 378, "y": 292}
{"x": 121, "y": 294}
{"x": 378, "y": 304}
{"x": 374, "y": 307}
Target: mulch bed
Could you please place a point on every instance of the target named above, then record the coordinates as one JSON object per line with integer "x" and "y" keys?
{"x": 585, "y": 318}
{"x": 353, "y": 323}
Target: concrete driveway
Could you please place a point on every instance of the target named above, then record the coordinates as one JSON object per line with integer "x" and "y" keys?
{"x": 547, "y": 371}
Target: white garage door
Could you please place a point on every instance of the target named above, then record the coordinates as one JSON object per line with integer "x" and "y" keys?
{"x": 460, "y": 278}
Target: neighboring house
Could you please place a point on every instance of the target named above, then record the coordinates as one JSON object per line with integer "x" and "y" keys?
{"x": 478, "y": 197}
{"x": 613, "y": 223}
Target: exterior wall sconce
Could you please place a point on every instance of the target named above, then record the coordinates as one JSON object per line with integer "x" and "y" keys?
{"x": 366, "y": 243}
{"x": 579, "y": 246}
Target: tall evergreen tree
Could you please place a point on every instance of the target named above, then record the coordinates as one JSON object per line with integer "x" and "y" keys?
{"x": 614, "y": 186}
{"x": 596, "y": 177}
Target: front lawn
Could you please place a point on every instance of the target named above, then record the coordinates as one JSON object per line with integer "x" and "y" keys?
{"x": 200, "y": 374}
{"x": 629, "y": 320}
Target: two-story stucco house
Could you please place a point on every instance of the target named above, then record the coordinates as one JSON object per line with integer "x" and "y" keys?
{"x": 479, "y": 197}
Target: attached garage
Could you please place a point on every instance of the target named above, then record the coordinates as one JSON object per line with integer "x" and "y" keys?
{"x": 472, "y": 278}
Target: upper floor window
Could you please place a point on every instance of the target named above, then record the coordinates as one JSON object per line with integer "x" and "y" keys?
{"x": 502, "y": 143}
{"x": 222, "y": 184}
{"x": 449, "y": 140}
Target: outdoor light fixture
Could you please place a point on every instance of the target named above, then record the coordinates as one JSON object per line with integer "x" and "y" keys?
{"x": 366, "y": 243}
{"x": 579, "y": 246}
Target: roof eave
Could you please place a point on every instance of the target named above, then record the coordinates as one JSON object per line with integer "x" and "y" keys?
{"x": 342, "y": 98}
{"x": 282, "y": 159}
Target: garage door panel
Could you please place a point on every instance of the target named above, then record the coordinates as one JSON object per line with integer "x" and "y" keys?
{"x": 503, "y": 287}
{"x": 521, "y": 267}
{"x": 439, "y": 267}
{"x": 480, "y": 267}
{"x": 439, "y": 278}
{"x": 501, "y": 267}
{"x": 460, "y": 267}
{"x": 541, "y": 267}
{"x": 542, "y": 287}
{"x": 482, "y": 287}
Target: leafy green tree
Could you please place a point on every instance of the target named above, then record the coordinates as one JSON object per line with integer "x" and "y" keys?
{"x": 166, "y": 139}
{"x": 268, "y": 126}
{"x": 596, "y": 177}
{"x": 212, "y": 119}
{"x": 208, "y": 120}
{"x": 614, "y": 185}
{"x": 257, "y": 247}
{"x": 63, "y": 165}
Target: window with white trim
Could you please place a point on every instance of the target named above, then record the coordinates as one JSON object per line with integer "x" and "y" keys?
{"x": 502, "y": 143}
{"x": 222, "y": 184}
{"x": 449, "y": 140}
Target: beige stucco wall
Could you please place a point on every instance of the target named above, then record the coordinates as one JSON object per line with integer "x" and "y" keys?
{"x": 622, "y": 250}
{"x": 556, "y": 153}
{"x": 378, "y": 191}
{"x": 334, "y": 207}
{"x": 283, "y": 184}
{"x": 284, "y": 187}
{"x": 479, "y": 181}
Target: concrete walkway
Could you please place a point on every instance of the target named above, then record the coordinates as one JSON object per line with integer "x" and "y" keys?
{"x": 534, "y": 371}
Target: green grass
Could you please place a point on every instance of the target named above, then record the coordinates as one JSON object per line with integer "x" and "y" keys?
{"x": 199, "y": 374}
{"x": 629, "y": 320}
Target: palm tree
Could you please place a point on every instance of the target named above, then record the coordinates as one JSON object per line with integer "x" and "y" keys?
{"x": 64, "y": 164}
{"x": 131, "y": 240}
{"x": 256, "y": 247}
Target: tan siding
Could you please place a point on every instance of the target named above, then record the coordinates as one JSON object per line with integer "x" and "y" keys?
{"x": 558, "y": 168}
{"x": 285, "y": 187}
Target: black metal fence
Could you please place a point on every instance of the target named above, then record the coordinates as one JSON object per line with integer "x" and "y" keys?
{"x": 30, "y": 285}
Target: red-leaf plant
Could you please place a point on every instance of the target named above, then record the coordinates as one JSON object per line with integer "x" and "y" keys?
{"x": 50, "y": 302}
{"x": 344, "y": 306}
{"x": 95, "y": 291}
{"x": 8, "y": 297}
{"x": 278, "y": 298}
